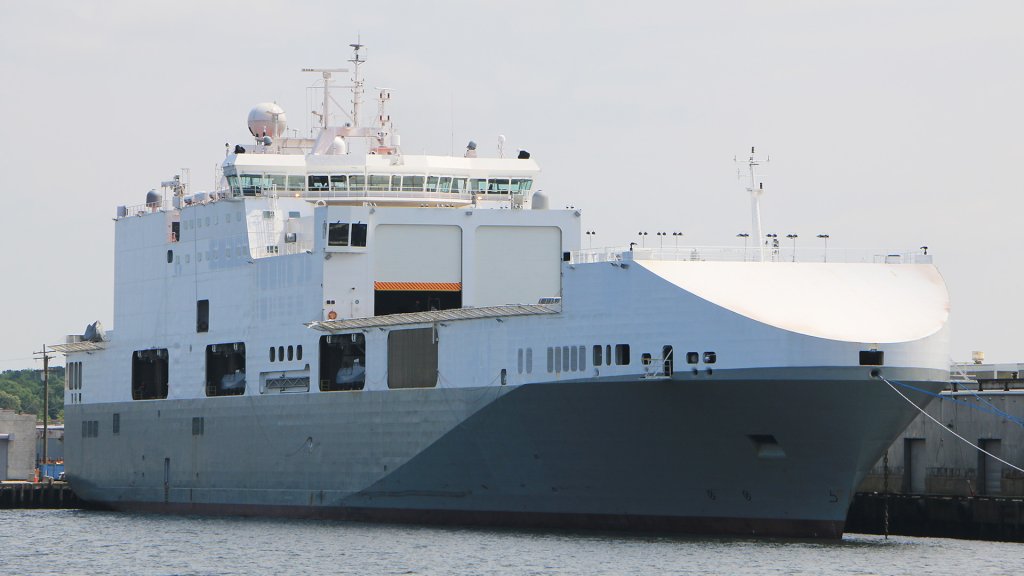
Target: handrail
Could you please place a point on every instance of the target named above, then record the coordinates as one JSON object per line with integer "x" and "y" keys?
{"x": 740, "y": 254}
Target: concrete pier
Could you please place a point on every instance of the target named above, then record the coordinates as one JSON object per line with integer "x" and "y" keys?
{"x": 37, "y": 495}
{"x": 967, "y": 517}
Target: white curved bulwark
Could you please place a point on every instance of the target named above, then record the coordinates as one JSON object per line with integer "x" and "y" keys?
{"x": 372, "y": 335}
{"x": 846, "y": 302}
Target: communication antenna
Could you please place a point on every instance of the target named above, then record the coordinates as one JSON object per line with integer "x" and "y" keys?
{"x": 327, "y": 73}
{"x": 756, "y": 189}
{"x": 357, "y": 83}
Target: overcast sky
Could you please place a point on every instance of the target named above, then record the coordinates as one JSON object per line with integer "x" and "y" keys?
{"x": 890, "y": 125}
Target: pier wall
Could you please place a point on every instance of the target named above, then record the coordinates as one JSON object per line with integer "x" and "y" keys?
{"x": 38, "y": 495}
{"x": 17, "y": 445}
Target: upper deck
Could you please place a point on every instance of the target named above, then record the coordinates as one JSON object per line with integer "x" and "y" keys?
{"x": 382, "y": 179}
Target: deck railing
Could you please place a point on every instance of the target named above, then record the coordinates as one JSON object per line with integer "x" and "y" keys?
{"x": 739, "y": 254}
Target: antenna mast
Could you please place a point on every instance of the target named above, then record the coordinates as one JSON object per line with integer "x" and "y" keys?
{"x": 357, "y": 83}
{"x": 756, "y": 189}
{"x": 327, "y": 74}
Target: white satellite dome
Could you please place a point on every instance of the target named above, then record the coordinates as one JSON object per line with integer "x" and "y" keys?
{"x": 267, "y": 118}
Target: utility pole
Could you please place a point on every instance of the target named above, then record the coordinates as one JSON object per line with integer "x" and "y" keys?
{"x": 46, "y": 403}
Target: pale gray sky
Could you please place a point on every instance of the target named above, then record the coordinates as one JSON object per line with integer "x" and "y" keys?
{"x": 890, "y": 124}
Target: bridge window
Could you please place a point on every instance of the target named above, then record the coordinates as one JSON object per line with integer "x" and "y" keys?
{"x": 444, "y": 184}
{"x": 276, "y": 181}
{"x": 412, "y": 183}
{"x": 339, "y": 182}
{"x": 432, "y": 183}
{"x": 296, "y": 182}
{"x": 318, "y": 182}
{"x": 520, "y": 185}
{"x": 478, "y": 186}
{"x": 458, "y": 185}
{"x": 254, "y": 184}
{"x": 357, "y": 183}
{"x": 498, "y": 186}
{"x": 378, "y": 183}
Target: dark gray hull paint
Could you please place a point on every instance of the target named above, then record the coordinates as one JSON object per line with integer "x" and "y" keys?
{"x": 670, "y": 455}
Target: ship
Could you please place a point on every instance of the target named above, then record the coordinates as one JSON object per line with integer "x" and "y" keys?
{"x": 339, "y": 329}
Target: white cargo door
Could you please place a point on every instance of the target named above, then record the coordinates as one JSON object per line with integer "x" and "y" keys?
{"x": 517, "y": 264}
{"x": 417, "y": 257}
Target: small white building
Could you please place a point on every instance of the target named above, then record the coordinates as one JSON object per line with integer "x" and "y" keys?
{"x": 17, "y": 445}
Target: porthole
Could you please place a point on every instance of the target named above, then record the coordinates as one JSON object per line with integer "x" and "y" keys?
{"x": 291, "y": 353}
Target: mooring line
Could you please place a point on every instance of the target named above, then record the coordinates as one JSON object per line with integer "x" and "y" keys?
{"x": 944, "y": 427}
{"x": 1017, "y": 420}
{"x": 993, "y": 410}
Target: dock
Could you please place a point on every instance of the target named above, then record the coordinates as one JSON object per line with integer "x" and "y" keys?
{"x": 938, "y": 516}
{"x": 52, "y": 495}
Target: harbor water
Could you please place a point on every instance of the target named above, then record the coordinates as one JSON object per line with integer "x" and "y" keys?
{"x": 69, "y": 542}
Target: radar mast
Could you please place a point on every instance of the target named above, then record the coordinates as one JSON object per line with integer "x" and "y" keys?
{"x": 328, "y": 73}
{"x": 756, "y": 189}
{"x": 357, "y": 82}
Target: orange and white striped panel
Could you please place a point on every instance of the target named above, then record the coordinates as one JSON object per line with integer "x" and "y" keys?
{"x": 419, "y": 286}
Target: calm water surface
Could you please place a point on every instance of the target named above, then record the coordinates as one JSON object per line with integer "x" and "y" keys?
{"x": 68, "y": 542}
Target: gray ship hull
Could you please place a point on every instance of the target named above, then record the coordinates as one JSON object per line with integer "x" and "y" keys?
{"x": 769, "y": 452}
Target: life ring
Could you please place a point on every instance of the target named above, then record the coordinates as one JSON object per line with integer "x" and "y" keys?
{"x": 332, "y": 315}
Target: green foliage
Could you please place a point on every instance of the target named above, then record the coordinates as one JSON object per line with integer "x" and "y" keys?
{"x": 22, "y": 390}
{"x": 9, "y": 401}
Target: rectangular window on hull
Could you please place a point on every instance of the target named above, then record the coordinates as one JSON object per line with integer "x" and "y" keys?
{"x": 342, "y": 362}
{"x": 115, "y": 426}
{"x": 149, "y": 374}
{"x": 225, "y": 369}
{"x": 73, "y": 374}
{"x": 872, "y": 358}
{"x": 622, "y": 354}
{"x": 337, "y": 234}
{"x": 202, "y": 316}
{"x": 358, "y": 234}
{"x": 345, "y": 234}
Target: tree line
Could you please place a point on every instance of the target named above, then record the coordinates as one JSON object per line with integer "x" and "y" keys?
{"x": 22, "y": 391}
